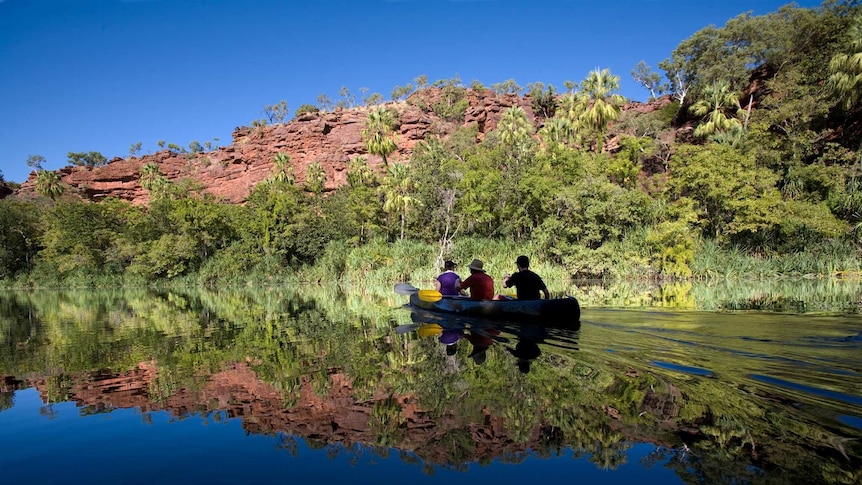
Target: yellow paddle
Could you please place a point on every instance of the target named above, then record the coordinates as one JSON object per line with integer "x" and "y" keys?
{"x": 424, "y": 295}
{"x": 430, "y": 329}
{"x": 430, "y": 295}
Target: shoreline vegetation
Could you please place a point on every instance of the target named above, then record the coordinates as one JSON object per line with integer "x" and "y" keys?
{"x": 751, "y": 169}
{"x": 368, "y": 273}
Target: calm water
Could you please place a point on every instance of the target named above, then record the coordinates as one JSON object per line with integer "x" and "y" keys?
{"x": 246, "y": 386}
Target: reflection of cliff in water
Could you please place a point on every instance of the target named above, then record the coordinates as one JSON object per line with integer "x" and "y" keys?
{"x": 335, "y": 418}
{"x": 454, "y": 437}
{"x": 287, "y": 369}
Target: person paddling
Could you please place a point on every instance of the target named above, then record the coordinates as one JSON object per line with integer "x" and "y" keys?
{"x": 481, "y": 285}
{"x": 527, "y": 283}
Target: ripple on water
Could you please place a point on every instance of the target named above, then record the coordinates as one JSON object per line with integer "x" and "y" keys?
{"x": 854, "y": 421}
{"x": 814, "y": 391}
{"x": 684, "y": 368}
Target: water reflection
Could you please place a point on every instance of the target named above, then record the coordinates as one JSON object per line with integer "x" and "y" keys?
{"x": 521, "y": 340}
{"x": 720, "y": 397}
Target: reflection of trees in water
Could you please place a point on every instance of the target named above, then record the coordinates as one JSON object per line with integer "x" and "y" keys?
{"x": 386, "y": 421}
{"x": 7, "y": 400}
{"x": 520, "y": 417}
{"x": 769, "y": 294}
{"x": 289, "y": 344}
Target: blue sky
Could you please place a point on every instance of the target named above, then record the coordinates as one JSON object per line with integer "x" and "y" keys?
{"x": 100, "y": 75}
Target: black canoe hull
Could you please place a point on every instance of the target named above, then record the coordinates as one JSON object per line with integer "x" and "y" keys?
{"x": 557, "y": 311}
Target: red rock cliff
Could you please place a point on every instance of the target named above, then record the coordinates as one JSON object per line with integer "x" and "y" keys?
{"x": 332, "y": 139}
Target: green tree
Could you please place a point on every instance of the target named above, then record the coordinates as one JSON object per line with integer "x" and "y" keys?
{"x": 282, "y": 170}
{"x": 88, "y": 159}
{"x": 453, "y": 100}
{"x": 359, "y": 174}
{"x": 49, "y": 184}
{"x": 315, "y": 178}
{"x": 605, "y": 105}
{"x": 397, "y": 189}
{"x": 372, "y": 99}
{"x": 643, "y": 75}
{"x": 845, "y": 68}
{"x": 556, "y": 134}
{"x": 508, "y": 86}
{"x": 35, "y": 161}
{"x": 436, "y": 166}
{"x": 401, "y": 92}
{"x": 77, "y": 237}
{"x": 734, "y": 197}
{"x": 718, "y": 108}
{"x": 348, "y": 100}
{"x": 514, "y": 128}
{"x": 278, "y": 216}
{"x": 324, "y": 103}
{"x": 135, "y": 149}
{"x": 624, "y": 168}
{"x": 543, "y": 99}
{"x": 305, "y": 108}
{"x": 379, "y": 133}
{"x": 155, "y": 183}
{"x": 19, "y": 236}
{"x": 276, "y": 113}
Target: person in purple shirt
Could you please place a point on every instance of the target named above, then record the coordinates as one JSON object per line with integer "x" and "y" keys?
{"x": 448, "y": 283}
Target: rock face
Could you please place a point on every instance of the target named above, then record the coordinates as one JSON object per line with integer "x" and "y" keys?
{"x": 331, "y": 139}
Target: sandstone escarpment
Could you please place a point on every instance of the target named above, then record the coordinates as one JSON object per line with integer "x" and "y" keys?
{"x": 330, "y": 138}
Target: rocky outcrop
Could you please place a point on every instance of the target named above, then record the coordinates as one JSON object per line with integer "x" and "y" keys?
{"x": 331, "y": 139}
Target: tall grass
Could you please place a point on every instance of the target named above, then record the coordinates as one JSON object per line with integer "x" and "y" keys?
{"x": 381, "y": 264}
{"x": 830, "y": 259}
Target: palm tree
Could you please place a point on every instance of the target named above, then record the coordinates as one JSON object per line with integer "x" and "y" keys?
{"x": 282, "y": 170}
{"x": 315, "y": 178}
{"x": 845, "y": 69}
{"x": 48, "y": 184}
{"x": 514, "y": 127}
{"x": 557, "y": 133}
{"x": 379, "y": 133}
{"x": 397, "y": 188}
{"x": 154, "y": 182}
{"x": 358, "y": 173}
{"x": 573, "y": 105}
{"x": 719, "y": 108}
{"x": 605, "y": 105}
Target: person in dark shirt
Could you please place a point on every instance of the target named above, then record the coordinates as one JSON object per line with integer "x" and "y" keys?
{"x": 481, "y": 285}
{"x": 448, "y": 283}
{"x": 527, "y": 284}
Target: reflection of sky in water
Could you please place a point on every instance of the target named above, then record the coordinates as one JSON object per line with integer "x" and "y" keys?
{"x": 625, "y": 369}
{"x": 816, "y": 391}
{"x": 683, "y": 368}
{"x": 121, "y": 447}
{"x": 854, "y": 421}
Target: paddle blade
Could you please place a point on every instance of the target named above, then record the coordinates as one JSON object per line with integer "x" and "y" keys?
{"x": 405, "y": 289}
{"x": 406, "y": 328}
{"x": 430, "y": 329}
{"x": 430, "y": 295}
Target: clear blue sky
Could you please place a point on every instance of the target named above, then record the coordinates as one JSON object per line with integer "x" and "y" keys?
{"x": 100, "y": 75}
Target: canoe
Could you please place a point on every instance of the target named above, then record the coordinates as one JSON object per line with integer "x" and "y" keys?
{"x": 557, "y": 311}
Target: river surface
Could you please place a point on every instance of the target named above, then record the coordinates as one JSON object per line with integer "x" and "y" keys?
{"x": 147, "y": 386}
